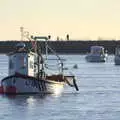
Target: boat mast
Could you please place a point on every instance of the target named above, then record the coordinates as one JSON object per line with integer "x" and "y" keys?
{"x": 39, "y": 59}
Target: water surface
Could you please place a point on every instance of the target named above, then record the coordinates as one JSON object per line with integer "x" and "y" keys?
{"x": 98, "y": 97}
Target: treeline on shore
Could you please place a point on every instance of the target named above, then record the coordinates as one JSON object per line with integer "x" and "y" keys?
{"x": 64, "y": 47}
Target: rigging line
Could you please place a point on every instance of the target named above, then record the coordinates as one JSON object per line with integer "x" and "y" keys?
{"x": 51, "y": 68}
{"x": 52, "y": 65}
{"x": 30, "y": 41}
{"x": 59, "y": 59}
{"x": 54, "y": 53}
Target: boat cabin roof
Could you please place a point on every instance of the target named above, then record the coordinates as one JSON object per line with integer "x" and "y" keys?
{"x": 97, "y": 47}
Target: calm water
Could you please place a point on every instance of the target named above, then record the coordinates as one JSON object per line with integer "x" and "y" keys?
{"x": 98, "y": 97}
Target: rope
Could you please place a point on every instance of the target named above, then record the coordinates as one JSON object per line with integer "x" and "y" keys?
{"x": 74, "y": 83}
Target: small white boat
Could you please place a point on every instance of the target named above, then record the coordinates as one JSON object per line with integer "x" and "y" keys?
{"x": 97, "y": 54}
{"x": 27, "y": 72}
{"x": 117, "y": 56}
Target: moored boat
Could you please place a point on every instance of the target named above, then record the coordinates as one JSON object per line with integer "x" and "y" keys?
{"x": 97, "y": 54}
{"x": 117, "y": 56}
{"x": 27, "y": 71}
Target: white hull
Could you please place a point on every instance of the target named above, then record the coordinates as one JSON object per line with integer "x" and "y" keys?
{"x": 117, "y": 60}
{"x": 24, "y": 85}
{"x": 95, "y": 58}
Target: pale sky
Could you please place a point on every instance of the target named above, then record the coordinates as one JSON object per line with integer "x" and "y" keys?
{"x": 81, "y": 19}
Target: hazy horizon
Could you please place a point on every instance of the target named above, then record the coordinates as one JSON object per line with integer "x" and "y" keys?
{"x": 81, "y": 19}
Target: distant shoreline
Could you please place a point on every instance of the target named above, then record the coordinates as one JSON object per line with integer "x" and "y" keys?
{"x": 64, "y": 47}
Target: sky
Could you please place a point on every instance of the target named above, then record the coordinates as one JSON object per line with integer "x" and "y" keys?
{"x": 81, "y": 19}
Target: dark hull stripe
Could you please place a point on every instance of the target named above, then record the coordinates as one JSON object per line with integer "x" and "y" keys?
{"x": 30, "y": 78}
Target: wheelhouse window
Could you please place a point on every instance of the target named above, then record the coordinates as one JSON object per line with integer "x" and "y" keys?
{"x": 11, "y": 65}
{"x": 31, "y": 64}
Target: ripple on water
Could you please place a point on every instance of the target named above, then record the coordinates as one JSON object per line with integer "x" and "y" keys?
{"x": 97, "y": 99}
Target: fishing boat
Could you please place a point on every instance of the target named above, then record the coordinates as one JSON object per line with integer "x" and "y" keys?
{"x": 27, "y": 71}
{"x": 117, "y": 56}
{"x": 97, "y": 54}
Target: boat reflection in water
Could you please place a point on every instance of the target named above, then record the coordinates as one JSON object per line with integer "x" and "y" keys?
{"x": 58, "y": 89}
